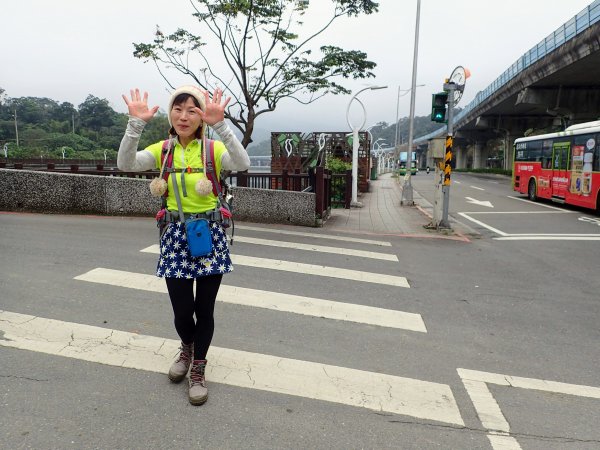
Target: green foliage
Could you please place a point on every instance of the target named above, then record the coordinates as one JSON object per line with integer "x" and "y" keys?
{"x": 156, "y": 130}
{"x": 96, "y": 113}
{"x": 77, "y": 143}
{"x": 268, "y": 57}
{"x": 47, "y": 128}
{"x": 337, "y": 165}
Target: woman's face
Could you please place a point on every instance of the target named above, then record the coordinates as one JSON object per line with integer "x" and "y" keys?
{"x": 186, "y": 119}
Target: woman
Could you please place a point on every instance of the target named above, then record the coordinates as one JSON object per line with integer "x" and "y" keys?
{"x": 190, "y": 111}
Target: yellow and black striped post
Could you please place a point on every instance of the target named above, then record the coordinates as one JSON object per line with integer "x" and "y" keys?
{"x": 448, "y": 161}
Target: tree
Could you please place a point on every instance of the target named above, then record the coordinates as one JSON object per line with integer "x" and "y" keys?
{"x": 266, "y": 59}
{"x": 96, "y": 113}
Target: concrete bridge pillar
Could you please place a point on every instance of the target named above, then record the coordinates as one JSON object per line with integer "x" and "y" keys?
{"x": 460, "y": 156}
{"x": 430, "y": 162}
{"x": 509, "y": 151}
{"x": 478, "y": 155}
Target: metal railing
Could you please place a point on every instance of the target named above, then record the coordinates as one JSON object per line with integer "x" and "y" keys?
{"x": 574, "y": 26}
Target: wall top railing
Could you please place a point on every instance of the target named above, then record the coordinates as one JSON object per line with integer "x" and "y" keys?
{"x": 574, "y": 26}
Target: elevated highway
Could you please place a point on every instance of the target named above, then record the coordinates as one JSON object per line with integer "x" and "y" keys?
{"x": 553, "y": 85}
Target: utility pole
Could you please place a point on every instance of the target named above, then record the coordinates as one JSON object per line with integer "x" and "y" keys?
{"x": 16, "y": 127}
{"x": 407, "y": 191}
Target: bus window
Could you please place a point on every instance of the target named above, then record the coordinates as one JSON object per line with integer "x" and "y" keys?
{"x": 528, "y": 151}
{"x": 547, "y": 154}
{"x": 534, "y": 151}
{"x": 561, "y": 155}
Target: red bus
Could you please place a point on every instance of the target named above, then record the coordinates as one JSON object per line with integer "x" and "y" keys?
{"x": 563, "y": 166}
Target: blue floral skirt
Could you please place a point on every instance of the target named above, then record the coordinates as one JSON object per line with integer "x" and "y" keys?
{"x": 175, "y": 260}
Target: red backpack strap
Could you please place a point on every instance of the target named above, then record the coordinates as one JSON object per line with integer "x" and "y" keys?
{"x": 165, "y": 149}
{"x": 210, "y": 168}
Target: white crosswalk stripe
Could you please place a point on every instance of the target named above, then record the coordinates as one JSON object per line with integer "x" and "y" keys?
{"x": 318, "y": 248}
{"x": 309, "y": 269}
{"x": 375, "y": 391}
{"x": 314, "y": 235}
{"x": 270, "y": 300}
{"x": 358, "y": 388}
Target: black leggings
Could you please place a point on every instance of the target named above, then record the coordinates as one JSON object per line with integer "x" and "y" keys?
{"x": 181, "y": 293}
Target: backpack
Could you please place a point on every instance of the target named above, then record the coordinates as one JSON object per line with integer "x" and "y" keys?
{"x": 220, "y": 187}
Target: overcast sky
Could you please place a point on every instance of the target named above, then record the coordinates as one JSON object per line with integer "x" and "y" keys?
{"x": 67, "y": 49}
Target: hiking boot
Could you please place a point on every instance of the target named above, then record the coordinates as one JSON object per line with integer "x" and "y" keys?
{"x": 198, "y": 391}
{"x": 180, "y": 367}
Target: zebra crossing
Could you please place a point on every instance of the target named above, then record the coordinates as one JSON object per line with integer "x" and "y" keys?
{"x": 291, "y": 354}
{"x": 310, "y": 379}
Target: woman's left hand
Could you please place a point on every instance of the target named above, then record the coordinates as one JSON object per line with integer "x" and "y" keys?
{"x": 215, "y": 108}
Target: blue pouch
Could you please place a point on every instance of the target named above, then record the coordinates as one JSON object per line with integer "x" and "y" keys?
{"x": 199, "y": 237}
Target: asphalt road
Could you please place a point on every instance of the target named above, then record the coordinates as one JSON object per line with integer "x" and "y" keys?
{"x": 488, "y": 204}
{"x": 511, "y": 340}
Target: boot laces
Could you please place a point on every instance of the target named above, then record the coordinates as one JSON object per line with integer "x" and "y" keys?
{"x": 197, "y": 374}
{"x": 185, "y": 354}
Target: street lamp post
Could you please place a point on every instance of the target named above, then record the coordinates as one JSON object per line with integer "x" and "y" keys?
{"x": 376, "y": 149}
{"x": 407, "y": 192}
{"x": 356, "y": 143}
{"x": 404, "y": 92}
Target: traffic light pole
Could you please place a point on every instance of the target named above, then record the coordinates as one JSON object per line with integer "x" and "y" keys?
{"x": 444, "y": 223}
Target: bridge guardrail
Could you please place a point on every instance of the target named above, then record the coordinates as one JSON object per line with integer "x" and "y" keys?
{"x": 577, "y": 24}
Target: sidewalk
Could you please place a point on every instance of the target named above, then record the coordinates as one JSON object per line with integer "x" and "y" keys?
{"x": 382, "y": 213}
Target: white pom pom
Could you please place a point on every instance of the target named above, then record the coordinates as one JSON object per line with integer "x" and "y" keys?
{"x": 204, "y": 186}
{"x": 158, "y": 187}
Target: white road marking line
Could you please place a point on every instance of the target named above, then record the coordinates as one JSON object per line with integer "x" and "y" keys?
{"x": 556, "y": 387}
{"x": 270, "y": 300}
{"x": 526, "y": 200}
{"x": 547, "y": 238}
{"x": 500, "y": 442}
{"x": 512, "y": 212}
{"x": 457, "y": 182}
{"x": 358, "y": 388}
{"x": 318, "y": 248}
{"x": 309, "y": 269}
{"x": 489, "y": 411}
{"x": 557, "y": 234}
{"x": 478, "y": 188}
{"x": 485, "y": 203}
{"x": 315, "y": 235}
{"x": 486, "y": 406}
{"x": 495, "y": 230}
{"x": 529, "y": 236}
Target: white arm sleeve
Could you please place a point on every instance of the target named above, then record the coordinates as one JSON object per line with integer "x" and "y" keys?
{"x": 128, "y": 158}
{"x": 236, "y": 157}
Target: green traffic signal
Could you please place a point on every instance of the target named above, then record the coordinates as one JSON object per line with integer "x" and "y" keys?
{"x": 438, "y": 107}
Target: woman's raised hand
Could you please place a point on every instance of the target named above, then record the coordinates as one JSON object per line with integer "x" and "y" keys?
{"x": 214, "y": 110}
{"x": 138, "y": 106}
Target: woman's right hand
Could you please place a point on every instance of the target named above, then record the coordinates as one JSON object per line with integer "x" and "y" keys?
{"x": 138, "y": 106}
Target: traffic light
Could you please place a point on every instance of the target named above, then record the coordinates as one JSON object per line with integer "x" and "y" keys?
{"x": 438, "y": 107}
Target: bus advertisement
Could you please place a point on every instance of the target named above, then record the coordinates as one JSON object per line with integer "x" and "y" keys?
{"x": 402, "y": 163}
{"x": 562, "y": 166}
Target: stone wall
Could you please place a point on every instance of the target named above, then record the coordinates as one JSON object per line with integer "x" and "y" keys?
{"x": 47, "y": 192}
